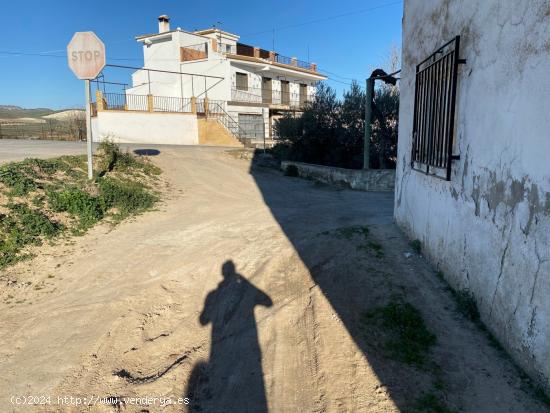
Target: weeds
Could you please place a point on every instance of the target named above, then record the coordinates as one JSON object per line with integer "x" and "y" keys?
{"x": 416, "y": 245}
{"x": 408, "y": 339}
{"x": 23, "y": 226}
{"x": 429, "y": 402}
{"x": 466, "y": 304}
{"x": 42, "y": 193}
{"x": 79, "y": 203}
{"x": 292, "y": 170}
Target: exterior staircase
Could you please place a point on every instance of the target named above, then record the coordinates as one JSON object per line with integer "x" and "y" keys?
{"x": 230, "y": 125}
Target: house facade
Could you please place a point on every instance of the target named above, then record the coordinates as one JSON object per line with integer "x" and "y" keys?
{"x": 247, "y": 86}
{"x": 473, "y": 173}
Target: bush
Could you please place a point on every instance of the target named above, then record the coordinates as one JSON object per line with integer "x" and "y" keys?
{"x": 331, "y": 131}
{"x": 23, "y": 226}
{"x": 87, "y": 208}
{"x": 127, "y": 196}
{"x": 292, "y": 170}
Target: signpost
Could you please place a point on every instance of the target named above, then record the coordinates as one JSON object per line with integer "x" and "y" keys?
{"x": 86, "y": 58}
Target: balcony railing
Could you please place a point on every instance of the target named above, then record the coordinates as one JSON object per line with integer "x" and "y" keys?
{"x": 250, "y": 51}
{"x": 149, "y": 103}
{"x": 273, "y": 97}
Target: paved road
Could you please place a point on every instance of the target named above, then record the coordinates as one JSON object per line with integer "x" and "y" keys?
{"x": 19, "y": 149}
{"x": 243, "y": 293}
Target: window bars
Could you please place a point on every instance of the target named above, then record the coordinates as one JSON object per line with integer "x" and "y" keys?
{"x": 434, "y": 111}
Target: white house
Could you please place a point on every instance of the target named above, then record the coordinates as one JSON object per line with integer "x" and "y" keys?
{"x": 207, "y": 73}
{"x": 473, "y": 172}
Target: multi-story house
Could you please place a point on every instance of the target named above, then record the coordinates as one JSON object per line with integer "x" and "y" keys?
{"x": 210, "y": 71}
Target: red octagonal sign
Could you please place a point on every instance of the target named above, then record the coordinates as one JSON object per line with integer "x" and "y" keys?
{"x": 86, "y": 55}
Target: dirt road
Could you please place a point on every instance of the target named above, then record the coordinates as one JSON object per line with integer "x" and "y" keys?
{"x": 242, "y": 293}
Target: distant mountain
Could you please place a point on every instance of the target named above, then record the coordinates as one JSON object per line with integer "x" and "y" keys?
{"x": 14, "y": 112}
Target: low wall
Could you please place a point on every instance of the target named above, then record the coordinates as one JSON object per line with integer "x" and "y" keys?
{"x": 144, "y": 127}
{"x": 364, "y": 180}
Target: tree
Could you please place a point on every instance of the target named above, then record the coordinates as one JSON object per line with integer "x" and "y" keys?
{"x": 330, "y": 131}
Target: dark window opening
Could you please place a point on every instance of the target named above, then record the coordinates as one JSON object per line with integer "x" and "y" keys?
{"x": 285, "y": 92}
{"x": 303, "y": 94}
{"x": 241, "y": 81}
{"x": 434, "y": 111}
{"x": 266, "y": 90}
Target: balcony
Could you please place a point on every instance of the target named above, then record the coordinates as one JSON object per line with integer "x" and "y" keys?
{"x": 271, "y": 97}
{"x": 245, "y": 50}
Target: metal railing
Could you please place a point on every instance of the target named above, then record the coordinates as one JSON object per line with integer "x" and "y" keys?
{"x": 434, "y": 110}
{"x": 231, "y": 125}
{"x": 143, "y": 103}
{"x": 246, "y": 50}
{"x": 123, "y": 101}
{"x": 171, "y": 104}
{"x": 275, "y": 97}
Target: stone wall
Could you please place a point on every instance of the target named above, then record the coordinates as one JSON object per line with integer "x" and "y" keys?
{"x": 364, "y": 180}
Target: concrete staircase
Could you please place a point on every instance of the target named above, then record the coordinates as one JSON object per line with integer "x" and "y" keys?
{"x": 213, "y": 133}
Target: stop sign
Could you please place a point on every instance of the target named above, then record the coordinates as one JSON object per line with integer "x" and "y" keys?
{"x": 86, "y": 55}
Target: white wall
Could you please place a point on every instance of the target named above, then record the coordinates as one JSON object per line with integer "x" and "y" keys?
{"x": 488, "y": 229}
{"x": 149, "y": 128}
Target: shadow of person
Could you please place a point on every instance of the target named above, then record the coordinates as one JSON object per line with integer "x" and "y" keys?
{"x": 232, "y": 380}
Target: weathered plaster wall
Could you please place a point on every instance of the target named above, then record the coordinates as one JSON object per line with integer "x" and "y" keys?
{"x": 149, "y": 128}
{"x": 489, "y": 228}
{"x": 364, "y": 180}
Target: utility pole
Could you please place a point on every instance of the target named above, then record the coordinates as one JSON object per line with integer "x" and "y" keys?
{"x": 369, "y": 95}
{"x": 368, "y": 121}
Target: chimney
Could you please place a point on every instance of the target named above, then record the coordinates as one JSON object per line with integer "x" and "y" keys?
{"x": 164, "y": 23}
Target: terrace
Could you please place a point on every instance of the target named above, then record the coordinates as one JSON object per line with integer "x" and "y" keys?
{"x": 245, "y": 50}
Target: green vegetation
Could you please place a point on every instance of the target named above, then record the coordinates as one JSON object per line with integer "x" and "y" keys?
{"x": 329, "y": 130}
{"x": 429, "y": 402}
{"x": 362, "y": 233}
{"x": 292, "y": 170}
{"x": 466, "y": 304}
{"x": 407, "y": 338}
{"x": 416, "y": 245}
{"x": 42, "y": 199}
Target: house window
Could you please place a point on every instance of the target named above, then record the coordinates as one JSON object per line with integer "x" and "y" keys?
{"x": 242, "y": 81}
{"x": 434, "y": 111}
{"x": 303, "y": 94}
{"x": 285, "y": 92}
{"x": 267, "y": 94}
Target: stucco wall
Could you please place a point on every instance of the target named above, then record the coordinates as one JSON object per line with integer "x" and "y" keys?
{"x": 364, "y": 180}
{"x": 150, "y": 128}
{"x": 488, "y": 229}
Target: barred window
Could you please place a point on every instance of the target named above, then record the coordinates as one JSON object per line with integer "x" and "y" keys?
{"x": 434, "y": 111}
{"x": 242, "y": 81}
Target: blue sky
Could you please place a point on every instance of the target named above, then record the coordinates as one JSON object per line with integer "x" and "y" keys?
{"x": 347, "y": 38}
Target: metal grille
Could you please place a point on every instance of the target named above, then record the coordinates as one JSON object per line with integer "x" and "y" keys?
{"x": 434, "y": 111}
{"x": 171, "y": 104}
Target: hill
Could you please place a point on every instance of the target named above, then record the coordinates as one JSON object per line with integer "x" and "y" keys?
{"x": 15, "y": 112}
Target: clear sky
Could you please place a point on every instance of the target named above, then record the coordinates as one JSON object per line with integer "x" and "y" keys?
{"x": 346, "y": 38}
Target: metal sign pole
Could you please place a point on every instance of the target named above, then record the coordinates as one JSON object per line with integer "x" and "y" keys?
{"x": 88, "y": 129}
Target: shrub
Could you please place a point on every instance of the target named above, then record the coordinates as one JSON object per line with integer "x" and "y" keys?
{"x": 79, "y": 203}
{"x": 127, "y": 196}
{"x": 408, "y": 340}
{"x": 292, "y": 170}
{"x": 330, "y": 131}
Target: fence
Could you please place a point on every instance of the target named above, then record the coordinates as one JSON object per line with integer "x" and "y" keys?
{"x": 49, "y": 129}
{"x": 145, "y": 103}
{"x": 275, "y": 97}
{"x": 171, "y": 104}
